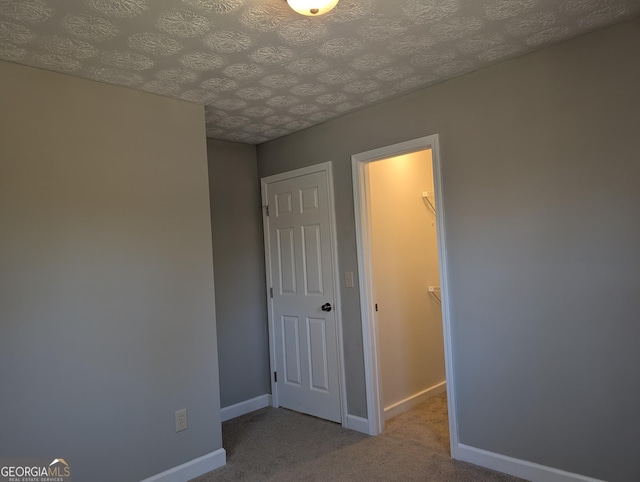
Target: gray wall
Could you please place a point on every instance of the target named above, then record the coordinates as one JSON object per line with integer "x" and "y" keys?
{"x": 542, "y": 202}
{"x": 107, "y": 316}
{"x": 238, "y": 252}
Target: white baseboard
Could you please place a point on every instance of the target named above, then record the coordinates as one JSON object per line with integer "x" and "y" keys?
{"x": 358, "y": 424}
{"x": 193, "y": 468}
{"x": 410, "y": 402}
{"x": 242, "y": 408}
{"x": 516, "y": 467}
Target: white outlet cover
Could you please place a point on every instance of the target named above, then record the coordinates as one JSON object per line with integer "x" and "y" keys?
{"x": 181, "y": 420}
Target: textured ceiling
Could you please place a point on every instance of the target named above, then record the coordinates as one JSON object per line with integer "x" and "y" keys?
{"x": 264, "y": 71}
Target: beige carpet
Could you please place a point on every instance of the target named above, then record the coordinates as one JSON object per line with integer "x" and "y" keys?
{"x": 281, "y": 445}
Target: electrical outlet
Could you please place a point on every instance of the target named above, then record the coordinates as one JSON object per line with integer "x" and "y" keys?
{"x": 181, "y": 420}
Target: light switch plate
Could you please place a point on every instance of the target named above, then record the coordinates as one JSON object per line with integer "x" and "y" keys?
{"x": 348, "y": 279}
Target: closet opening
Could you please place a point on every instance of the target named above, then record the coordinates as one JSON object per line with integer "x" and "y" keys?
{"x": 402, "y": 274}
{"x": 406, "y": 280}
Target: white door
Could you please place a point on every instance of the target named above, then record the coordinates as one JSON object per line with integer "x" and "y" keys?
{"x": 301, "y": 264}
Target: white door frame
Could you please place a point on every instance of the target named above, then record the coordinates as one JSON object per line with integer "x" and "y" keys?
{"x": 324, "y": 167}
{"x": 359, "y": 161}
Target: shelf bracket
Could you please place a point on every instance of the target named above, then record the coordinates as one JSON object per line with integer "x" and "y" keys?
{"x": 435, "y": 292}
{"x": 430, "y": 199}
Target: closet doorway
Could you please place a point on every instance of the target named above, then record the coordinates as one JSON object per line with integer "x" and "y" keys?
{"x": 402, "y": 272}
{"x": 406, "y": 280}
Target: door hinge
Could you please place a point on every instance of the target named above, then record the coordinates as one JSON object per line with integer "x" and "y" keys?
{"x": 275, "y": 377}
{"x": 376, "y": 306}
{"x": 271, "y": 292}
{"x": 266, "y": 210}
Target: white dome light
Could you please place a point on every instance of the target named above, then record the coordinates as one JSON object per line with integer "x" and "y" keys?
{"x": 312, "y": 8}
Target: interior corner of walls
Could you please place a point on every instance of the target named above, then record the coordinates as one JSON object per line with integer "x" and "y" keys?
{"x": 413, "y": 400}
{"x": 244, "y": 407}
{"x": 194, "y": 468}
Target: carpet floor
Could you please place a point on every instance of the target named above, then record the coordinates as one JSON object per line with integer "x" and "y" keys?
{"x": 280, "y": 445}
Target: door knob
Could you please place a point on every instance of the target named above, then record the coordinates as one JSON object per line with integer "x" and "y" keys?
{"x": 326, "y": 307}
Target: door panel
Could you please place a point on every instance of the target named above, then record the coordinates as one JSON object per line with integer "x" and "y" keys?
{"x": 286, "y": 261}
{"x": 291, "y": 347}
{"x": 283, "y": 204}
{"x": 306, "y": 341}
{"x": 312, "y": 255}
{"x": 318, "y": 354}
{"x": 309, "y": 199}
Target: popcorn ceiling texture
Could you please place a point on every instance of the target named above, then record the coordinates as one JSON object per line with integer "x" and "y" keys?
{"x": 264, "y": 71}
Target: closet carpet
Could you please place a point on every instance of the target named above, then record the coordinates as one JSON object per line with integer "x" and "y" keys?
{"x": 280, "y": 445}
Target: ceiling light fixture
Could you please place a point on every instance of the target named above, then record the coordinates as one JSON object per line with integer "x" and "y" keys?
{"x": 312, "y": 8}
